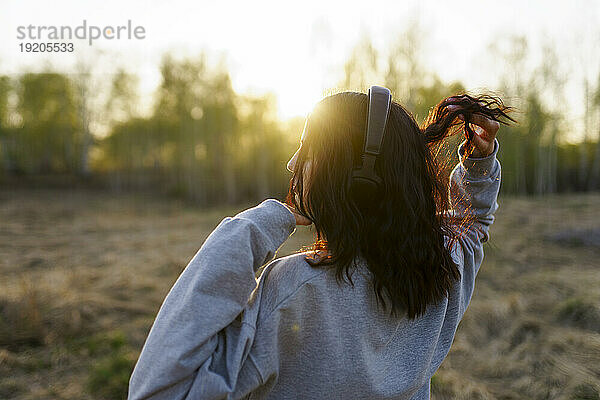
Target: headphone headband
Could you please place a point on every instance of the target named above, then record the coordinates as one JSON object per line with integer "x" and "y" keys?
{"x": 380, "y": 101}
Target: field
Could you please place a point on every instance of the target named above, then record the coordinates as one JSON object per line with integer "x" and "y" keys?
{"x": 82, "y": 274}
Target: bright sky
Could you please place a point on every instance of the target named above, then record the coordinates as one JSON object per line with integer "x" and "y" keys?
{"x": 297, "y": 49}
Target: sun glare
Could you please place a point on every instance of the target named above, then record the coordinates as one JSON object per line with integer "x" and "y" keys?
{"x": 298, "y": 101}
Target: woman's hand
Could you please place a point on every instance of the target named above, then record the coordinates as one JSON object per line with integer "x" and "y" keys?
{"x": 485, "y": 133}
{"x": 300, "y": 219}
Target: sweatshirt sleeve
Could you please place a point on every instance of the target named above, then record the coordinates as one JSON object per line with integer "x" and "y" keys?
{"x": 474, "y": 187}
{"x": 199, "y": 344}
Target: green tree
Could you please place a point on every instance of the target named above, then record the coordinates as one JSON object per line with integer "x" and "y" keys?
{"x": 405, "y": 72}
{"x": 262, "y": 147}
{"x": 190, "y": 141}
{"x": 50, "y": 136}
{"x": 122, "y": 102}
{"x": 200, "y": 106}
{"x": 594, "y": 109}
{"x": 5, "y": 139}
{"x": 361, "y": 69}
{"x": 511, "y": 59}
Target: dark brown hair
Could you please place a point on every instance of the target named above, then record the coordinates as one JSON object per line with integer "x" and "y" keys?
{"x": 401, "y": 232}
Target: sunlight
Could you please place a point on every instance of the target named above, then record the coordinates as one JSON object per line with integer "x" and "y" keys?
{"x": 298, "y": 100}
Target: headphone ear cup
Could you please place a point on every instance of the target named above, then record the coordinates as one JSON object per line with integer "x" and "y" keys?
{"x": 364, "y": 192}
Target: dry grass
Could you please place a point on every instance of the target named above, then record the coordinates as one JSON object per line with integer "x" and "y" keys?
{"x": 82, "y": 275}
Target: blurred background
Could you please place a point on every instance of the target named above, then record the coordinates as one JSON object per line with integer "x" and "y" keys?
{"x": 118, "y": 159}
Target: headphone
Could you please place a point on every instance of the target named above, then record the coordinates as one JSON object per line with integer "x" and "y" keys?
{"x": 364, "y": 177}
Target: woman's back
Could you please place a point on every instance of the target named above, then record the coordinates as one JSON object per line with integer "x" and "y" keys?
{"x": 301, "y": 334}
{"x": 334, "y": 342}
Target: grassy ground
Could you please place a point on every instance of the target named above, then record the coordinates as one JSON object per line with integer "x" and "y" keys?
{"x": 82, "y": 275}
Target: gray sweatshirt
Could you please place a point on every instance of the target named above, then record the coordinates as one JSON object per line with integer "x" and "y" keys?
{"x": 294, "y": 333}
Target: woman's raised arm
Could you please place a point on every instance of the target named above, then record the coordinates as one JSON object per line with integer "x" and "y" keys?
{"x": 199, "y": 344}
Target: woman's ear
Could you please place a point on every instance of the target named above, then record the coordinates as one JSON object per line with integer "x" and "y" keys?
{"x": 292, "y": 162}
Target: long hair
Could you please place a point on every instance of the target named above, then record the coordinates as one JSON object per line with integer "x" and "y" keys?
{"x": 400, "y": 232}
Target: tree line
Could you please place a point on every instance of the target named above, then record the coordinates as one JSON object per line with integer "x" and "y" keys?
{"x": 204, "y": 141}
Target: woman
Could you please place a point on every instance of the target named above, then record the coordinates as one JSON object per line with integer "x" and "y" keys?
{"x": 410, "y": 253}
